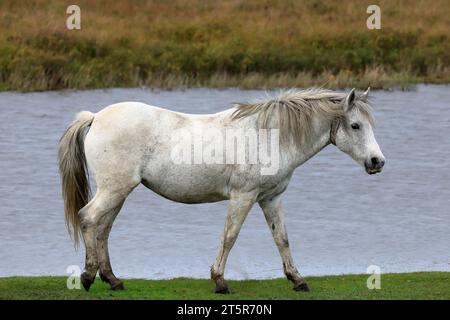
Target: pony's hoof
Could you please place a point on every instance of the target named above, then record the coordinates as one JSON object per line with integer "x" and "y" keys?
{"x": 302, "y": 287}
{"x": 86, "y": 281}
{"x": 222, "y": 290}
{"x": 118, "y": 286}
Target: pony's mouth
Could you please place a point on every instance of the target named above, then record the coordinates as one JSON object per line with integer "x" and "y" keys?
{"x": 373, "y": 170}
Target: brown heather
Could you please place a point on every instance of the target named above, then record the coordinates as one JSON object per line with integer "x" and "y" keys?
{"x": 248, "y": 44}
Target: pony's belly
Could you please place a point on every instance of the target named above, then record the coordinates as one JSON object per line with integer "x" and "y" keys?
{"x": 177, "y": 193}
{"x": 186, "y": 183}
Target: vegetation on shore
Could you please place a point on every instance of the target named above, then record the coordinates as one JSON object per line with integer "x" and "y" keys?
{"x": 419, "y": 285}
{"x": 248, "y": 44}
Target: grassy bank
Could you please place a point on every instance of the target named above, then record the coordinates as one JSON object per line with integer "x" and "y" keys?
{"x": 248, "y": 44}
{"x": 423, "y": 285}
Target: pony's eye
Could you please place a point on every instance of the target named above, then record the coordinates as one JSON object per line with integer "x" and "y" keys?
{"x": 355, "y": 126}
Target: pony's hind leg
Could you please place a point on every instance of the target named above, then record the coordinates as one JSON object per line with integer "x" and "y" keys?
{"x": 103, "y": 204}
{"x": 103, "y": 230}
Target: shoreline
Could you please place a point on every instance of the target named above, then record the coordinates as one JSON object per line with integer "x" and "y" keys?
{"x": 376, "y": 78}
{"x": 407, "y": 88}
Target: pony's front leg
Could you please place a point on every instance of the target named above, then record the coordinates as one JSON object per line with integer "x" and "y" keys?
{"x": 239, "y": 207}
{"x": 274, "y": 216}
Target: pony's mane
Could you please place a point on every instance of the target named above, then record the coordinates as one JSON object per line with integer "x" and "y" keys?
{"x": 296, "y": 109}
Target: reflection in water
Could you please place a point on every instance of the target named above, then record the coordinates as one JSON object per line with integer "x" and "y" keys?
{"x": 339, "y": 219}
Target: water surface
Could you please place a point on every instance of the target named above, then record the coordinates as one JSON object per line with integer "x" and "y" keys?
{"x": 339, "y": 219}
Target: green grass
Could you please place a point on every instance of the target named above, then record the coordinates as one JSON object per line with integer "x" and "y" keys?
{"x": 58, "y": 61}
{"x": 420, "y": 285}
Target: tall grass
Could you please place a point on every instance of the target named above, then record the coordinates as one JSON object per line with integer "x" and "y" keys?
{"x": 249, "y": 44}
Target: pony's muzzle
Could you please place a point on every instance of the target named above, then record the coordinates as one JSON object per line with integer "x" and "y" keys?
{"x": 374, "y": 165}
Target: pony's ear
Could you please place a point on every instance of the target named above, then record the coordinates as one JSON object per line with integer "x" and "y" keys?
{"x": 365, "y": 96}
{"x": 349, "y": 100}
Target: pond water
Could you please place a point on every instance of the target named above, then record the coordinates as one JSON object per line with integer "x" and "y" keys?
{"x": 339, "y": 219}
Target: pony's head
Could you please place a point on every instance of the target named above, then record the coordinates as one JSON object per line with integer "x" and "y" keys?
{"x": 353, "y": 133}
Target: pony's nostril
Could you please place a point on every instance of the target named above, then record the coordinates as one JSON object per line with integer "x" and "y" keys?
{"x": 374, "y": 161}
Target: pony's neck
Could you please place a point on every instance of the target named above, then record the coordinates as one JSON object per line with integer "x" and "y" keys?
{"x": 319, "y": 139}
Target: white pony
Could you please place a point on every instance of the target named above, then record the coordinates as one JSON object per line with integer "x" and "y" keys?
{"x": 130, "y": 143}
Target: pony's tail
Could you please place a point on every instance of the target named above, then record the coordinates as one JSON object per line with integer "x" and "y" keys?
{"x": 73, "y": 172}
